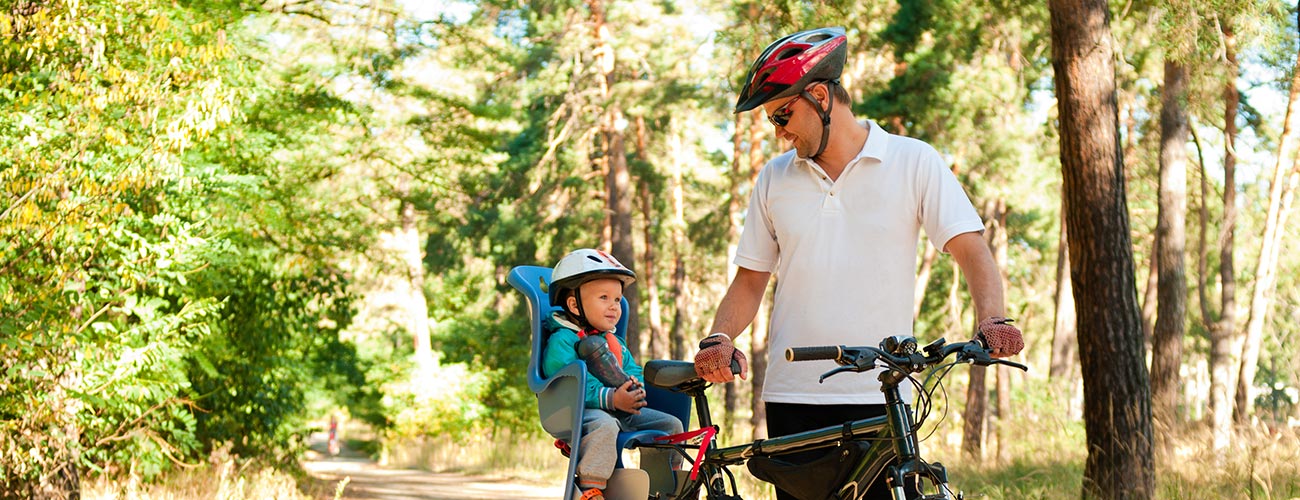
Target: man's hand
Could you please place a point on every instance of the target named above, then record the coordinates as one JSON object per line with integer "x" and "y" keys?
{"x": 1000, "y": 337}
{"x": 630, "y": 397}
{"x": 713, "y": 361}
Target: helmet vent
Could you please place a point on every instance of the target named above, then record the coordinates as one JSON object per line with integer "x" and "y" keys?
{"x": 789, "y": 53}
{"x": 819, "y": 37}
{"x": 594, "y": 259}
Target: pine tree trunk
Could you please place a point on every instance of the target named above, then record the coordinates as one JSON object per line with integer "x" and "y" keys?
{"x": 1170, "y": 247}
{"x": 1117, "y": 412}
{"x": 1149, "y": 299}
{"x": 619, "y": 181}
{"x": 997, "y": 241}
{"x": 1224, "y": 345}
{"x": 977, "y": 392}
{"x": 1279, "y": 206}
{"x": 676, "y": 337}
{"x": 759, "y": 329}
{"x": 977, "y": 397}
{"x": 758, "y": 363}
{"x": 1064, "y": 334}
{"x": 656, "y": 340}
{"x": 923, "y": 276}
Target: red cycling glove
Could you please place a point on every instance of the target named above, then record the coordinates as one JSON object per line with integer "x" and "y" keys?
{"x": 1000, "y": 336}
{"x": 716, "y": 353}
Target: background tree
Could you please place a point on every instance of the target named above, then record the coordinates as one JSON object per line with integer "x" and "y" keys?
{"x": 1115, "y": 381}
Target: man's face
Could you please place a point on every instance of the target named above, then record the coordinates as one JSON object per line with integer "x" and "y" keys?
{"x": 801, "y": 121}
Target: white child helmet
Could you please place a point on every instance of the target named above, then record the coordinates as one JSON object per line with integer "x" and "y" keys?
{"x": 584, "y": 265}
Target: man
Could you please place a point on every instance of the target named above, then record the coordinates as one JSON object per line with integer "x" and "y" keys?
{"x": 837, "y": 219}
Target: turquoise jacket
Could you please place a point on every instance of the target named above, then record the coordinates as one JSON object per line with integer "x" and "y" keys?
{"x": 561, "y": 349}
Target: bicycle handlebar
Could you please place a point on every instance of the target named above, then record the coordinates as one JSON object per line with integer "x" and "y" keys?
{"x": 904, "y": 357}
{"x": 814, "y": 353}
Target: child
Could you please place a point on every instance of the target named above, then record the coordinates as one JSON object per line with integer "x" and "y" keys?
{"x": 588, "y": 287}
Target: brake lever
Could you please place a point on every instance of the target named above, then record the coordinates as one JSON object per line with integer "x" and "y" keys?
{"x": 1012, "y": 364}
{"x": 836, "y": 371}
{"x": 852, "y": 361}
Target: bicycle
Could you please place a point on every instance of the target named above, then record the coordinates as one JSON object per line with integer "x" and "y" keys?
{"x": 882, "y": 445}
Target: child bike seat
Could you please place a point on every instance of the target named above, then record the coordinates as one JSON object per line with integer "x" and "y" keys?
{"x": 560, "y": 397}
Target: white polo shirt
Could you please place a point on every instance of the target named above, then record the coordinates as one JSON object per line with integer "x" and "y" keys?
{"x": 844, "y": 255}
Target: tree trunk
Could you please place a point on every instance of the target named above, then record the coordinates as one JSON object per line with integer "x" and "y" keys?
{"x": 1003, "y": 412}
{"x": 1117, "y": 412}
{"x": 759, "y": 327}
{"x": 977, "y": 397}
{"x": 1170, "y": 247}
{"x": 1149, "y": 299}
{"x": 620, "y": 206}
{"x": 1279, "y": 206}
{"x": 923, "y": 276}
{"x": 758, "y": 362}
{"x": 997, "y": 241}
{"x": 735, "y": 223}
{"x": 1223, "y": 339}
{"x": 656, "y": 341}
{"x": 618, "y": 183}
{"x": 417, "y": 307}
{"x": 1202, "y": 247}
{"x": 1064, "y": 333}
{"x": 677, "y": 337}
{"x": 977, "y": 392}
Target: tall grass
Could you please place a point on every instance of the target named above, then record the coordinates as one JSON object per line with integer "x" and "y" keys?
{"x": 500, "y": 453}
{"x": 1047, "y": 460}
{"x": 223, "y": 480}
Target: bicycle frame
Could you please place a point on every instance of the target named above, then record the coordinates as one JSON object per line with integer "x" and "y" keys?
{"x": 893, "y": 450}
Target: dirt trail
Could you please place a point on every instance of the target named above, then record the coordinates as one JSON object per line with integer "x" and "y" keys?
{"x": 369, "y": 481}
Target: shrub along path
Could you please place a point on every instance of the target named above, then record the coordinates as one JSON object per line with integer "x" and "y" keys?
{"x": 367, "y": 480}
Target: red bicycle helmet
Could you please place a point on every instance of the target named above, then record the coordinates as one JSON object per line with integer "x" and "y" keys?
{"x": 791, "y": 63}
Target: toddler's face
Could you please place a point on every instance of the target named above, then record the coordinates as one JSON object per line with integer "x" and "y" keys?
{"x": 602, "y": 301}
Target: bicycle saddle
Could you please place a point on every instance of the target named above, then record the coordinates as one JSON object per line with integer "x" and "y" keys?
{"x": 668, "y": 374}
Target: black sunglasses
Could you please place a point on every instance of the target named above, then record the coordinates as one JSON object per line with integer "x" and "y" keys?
{"x": 781, "y": 116}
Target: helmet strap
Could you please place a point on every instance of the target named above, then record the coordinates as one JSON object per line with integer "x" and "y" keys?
{"x": 579, "y": 319}
{"x": 825, "y": 115}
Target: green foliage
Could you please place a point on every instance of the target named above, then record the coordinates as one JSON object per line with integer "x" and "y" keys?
{"x": 164, "y": 286}
{"x": 198, "y": 199}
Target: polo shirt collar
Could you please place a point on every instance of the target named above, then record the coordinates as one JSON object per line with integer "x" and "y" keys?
{"x": 876, "y": 146}
{"x": 877, "y": 142}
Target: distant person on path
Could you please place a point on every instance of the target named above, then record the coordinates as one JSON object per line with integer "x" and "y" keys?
{"x": 334, "y": 435}
{"x": 588, "y": 286}
{"x": 837, "y": 220}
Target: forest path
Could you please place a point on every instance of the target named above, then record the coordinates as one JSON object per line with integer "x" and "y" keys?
{"x": 367, "y": 480}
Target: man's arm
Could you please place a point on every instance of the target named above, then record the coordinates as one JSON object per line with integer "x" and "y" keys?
{"x": 740, "y": 304}
{"x": 985, "y": 283}
{"x": 735, "y": 312}
{"x": 981, "y": 273}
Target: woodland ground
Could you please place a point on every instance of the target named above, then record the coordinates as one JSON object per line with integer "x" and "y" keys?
{"x": 363, "y": 479}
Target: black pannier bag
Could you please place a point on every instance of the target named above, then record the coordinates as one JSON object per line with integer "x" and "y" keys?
{"x": 815, "y": 480}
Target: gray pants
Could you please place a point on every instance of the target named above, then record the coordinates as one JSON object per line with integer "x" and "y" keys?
{"x": 598, "y": 453}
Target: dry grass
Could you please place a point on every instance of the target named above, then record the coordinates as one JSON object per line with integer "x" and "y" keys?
{"x": 499, "y": 454}
{"x": 220, "y": 482}
{"x": 222, "y": 477}
{"x": 1048, "y": 464}
{"x": 1049, "y": 454}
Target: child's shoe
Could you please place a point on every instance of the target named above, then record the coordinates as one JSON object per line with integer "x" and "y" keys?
{"x": 592, "y": 494}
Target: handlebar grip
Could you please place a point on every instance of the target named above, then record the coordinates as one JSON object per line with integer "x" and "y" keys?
{"x": 814, "y": 353}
